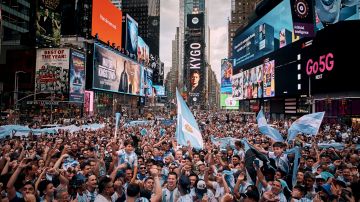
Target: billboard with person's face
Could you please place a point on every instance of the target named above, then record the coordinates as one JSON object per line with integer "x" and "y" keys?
{"x": 52, "y": 74}
{"x": 106, "y": 22}
{"x": 48, "y": 23}
{"x": 113, "y": 72}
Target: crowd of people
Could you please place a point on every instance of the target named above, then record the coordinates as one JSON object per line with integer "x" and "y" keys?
{"x": 145, "y": 163}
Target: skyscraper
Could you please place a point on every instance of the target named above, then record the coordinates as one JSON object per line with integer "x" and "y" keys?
{"x": 240, "y": 12}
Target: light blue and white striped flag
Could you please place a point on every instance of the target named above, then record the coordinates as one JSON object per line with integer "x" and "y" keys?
{"x": 187, "y": 128}
{"x": 267, "y": 130}
{"x": 308, "y": 124}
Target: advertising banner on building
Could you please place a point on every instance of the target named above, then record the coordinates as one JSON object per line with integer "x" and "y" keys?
{"x": 303, "y": 17}
{"x": 89, "y": 102}
{"x": 143, "y": 52}
{"x": 195, "y": 21}
{"x": 77, "y": 76}
{"x": 115, "y": 73}
{"x": 196, "y": 67}
{"x": 228, "y": 102}
{"x": 147, "y": 83}
{"x": 48, "y": 23}
{"x": 52, "y": 74}
{"x": 106, "y": 22}
{"x": 131, "y": 35}
{"x": 269, "y": 78}
{"x": 159, "y": 90}
{"x": 226, "y": 74}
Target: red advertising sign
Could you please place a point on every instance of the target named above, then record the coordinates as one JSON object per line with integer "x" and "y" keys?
{"x": 106, "y": 22}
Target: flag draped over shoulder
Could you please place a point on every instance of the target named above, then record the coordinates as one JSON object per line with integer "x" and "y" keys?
{"x": 251, "y": 154}
{"x": 187, "y": 128}
{"x": 296, "y": 152}
{"x": 308, "y": 124}
{"x": 267, "y": 130}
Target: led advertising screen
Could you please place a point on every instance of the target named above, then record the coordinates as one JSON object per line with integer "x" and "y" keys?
{"x": 303, "y": 17}
{"x": 159, "y": 90}
{"x": 48, "y": 23}
{"x": 146, "y": 81}
{"x": 250, "y": 83}
{"x": 143, "y": 52}
{"x": 269, "y": 78}
{"x": 52, "y": 74}
{"x": 238, "y": 86}
{"x": 329, "y": 63}
{"x": 262, "y": 37}
{"x": 226, "y": 74}
{"x": 195, "y": 21}
{"x": 77, "y": 76}
{"x": 131, "y": 35}
{"x": 331, "y": 12}
{"x": 228, "y": 102}
{"x": 106, "y": 22}
{"x": 115, "y": 73}
{"x": 196, "y": 67}
{"x": 89, "y": 102}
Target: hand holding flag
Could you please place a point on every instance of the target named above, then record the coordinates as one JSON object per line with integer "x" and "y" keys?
{"x": 187, "y": 128}
{"x": 267, "y": 130}
{"x": 307, "y": 124}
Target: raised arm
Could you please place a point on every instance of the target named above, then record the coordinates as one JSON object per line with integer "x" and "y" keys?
{"x": 157, "y": 187}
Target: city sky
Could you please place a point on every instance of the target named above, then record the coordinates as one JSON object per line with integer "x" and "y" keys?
{"x": 218, "y": 11}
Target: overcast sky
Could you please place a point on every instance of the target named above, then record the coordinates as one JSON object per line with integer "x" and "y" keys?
{"x": 218, "y": 11}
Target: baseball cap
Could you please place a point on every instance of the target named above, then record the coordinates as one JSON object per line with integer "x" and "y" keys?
{"x": 201, "y": 187}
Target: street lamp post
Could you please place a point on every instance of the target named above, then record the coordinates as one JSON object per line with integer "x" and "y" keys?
{"x": 16, "y": 85}
{"x": 16, "y": 90}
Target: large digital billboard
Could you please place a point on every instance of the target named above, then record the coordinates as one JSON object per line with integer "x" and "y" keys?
{"x": 143, "y": 52}
{"x": 131, "y": 35}
{"x": 159, "y": 90}
{"x": 114, "y": 72}
{"x": 329, "y": 63}
{"x": 48, "y": 23}
{"x": 228, "y": 102}
{"x": 331, "y": 12}
{"x": 77, "y": 76}
{"x": 256, "y": 82}
{"x": 196, "y": 67}
{"x": 106, "y": 22}
{"x": 146, "y": 81}
{"x": 52, "y": 74}
{"x": 226, "y": 74}
{"x": 269, "y": 78}
{"x": 263, "y": 36}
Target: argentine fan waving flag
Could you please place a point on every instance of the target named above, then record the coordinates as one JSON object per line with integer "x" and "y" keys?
{"x": 308, "y": 124}
{"x": 187, "y": 128}
{"x": 267, "y": 130}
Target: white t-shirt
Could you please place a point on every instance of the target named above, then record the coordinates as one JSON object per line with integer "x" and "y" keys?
{"x": 219, "y": 190}
{"x": 101, "y": 198}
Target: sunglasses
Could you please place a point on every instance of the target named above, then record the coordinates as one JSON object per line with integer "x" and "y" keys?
{"x": 142, "y": 168}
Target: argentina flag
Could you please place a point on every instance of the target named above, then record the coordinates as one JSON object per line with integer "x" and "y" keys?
{"x": 187, "y": 128}
{"x": 308, "y": 124}
{"x": 267, "y": 130}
